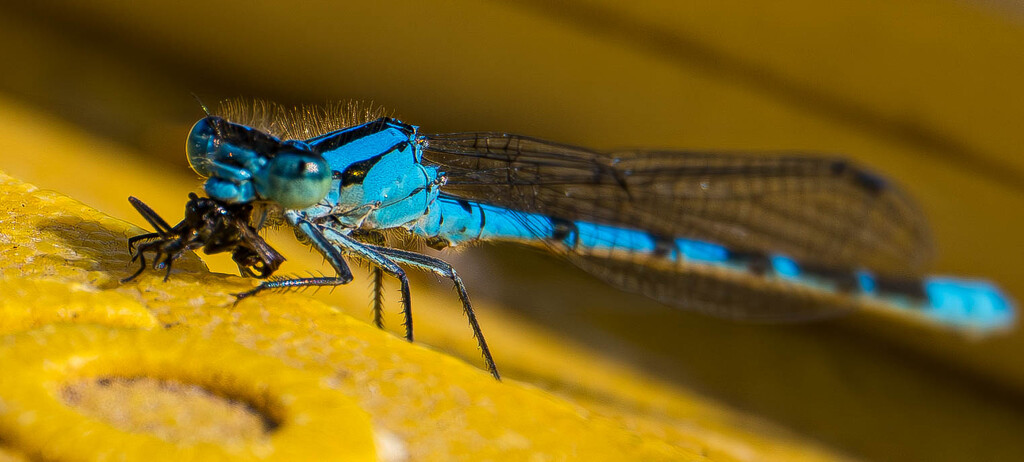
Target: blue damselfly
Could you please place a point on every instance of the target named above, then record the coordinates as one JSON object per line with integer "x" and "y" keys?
{"x": 757, "y": 236}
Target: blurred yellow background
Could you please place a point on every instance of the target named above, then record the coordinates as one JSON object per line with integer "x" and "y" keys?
{"x": 927, "y": 92}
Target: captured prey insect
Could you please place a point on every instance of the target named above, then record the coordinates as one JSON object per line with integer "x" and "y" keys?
{"x": 769, "y": 236}
{"x": 208, "y": 224}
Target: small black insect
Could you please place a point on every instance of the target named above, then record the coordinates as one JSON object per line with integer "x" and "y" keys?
{"x": 209, "y": 224}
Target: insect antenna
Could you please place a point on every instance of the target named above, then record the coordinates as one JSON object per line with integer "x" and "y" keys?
{"x": 209, "y": 117}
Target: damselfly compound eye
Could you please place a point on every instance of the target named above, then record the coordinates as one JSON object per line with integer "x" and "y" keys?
{"x": 197, "y": 147}
{"x": 295, "y": 180}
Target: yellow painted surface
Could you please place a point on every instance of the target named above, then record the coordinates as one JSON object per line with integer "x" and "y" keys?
{"x": 316, "y": 422}
{"x": 334, "y": 384}
{"x": 322, "y": 375}
{"x": 926, "y": 92}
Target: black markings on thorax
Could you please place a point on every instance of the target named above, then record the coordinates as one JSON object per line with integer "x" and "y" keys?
{"x": 342, "y": 138}
{"x": 356, "y": 172}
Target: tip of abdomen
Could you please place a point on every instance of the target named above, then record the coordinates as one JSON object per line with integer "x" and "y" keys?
{"x": 970, "y": 304}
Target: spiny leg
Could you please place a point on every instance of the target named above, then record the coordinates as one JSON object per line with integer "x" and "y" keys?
{"x": 158, "y": 248}
{"x": 167, "y": 262}
{"x": 329, "y": 251}
{"x": 142, "y": 266}
{"x": 378, "y": 296}
{"x": 376, "y": 274}
{"x": 141, "y": 237}
{"x": 443, "y": 269}
{"x": 293, "y": 283}
{"x": 137, "y": 254}
{"x": 362, "y": 251}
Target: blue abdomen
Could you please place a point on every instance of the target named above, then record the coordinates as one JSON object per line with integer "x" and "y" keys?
{"x": 601, "y": 249}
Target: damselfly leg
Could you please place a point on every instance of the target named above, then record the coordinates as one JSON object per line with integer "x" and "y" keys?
{"x": 343, "y": 275}
{"x": 445, "y": 270}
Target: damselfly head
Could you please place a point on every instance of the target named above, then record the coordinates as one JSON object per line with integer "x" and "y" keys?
{"x": 243, "y": 164}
